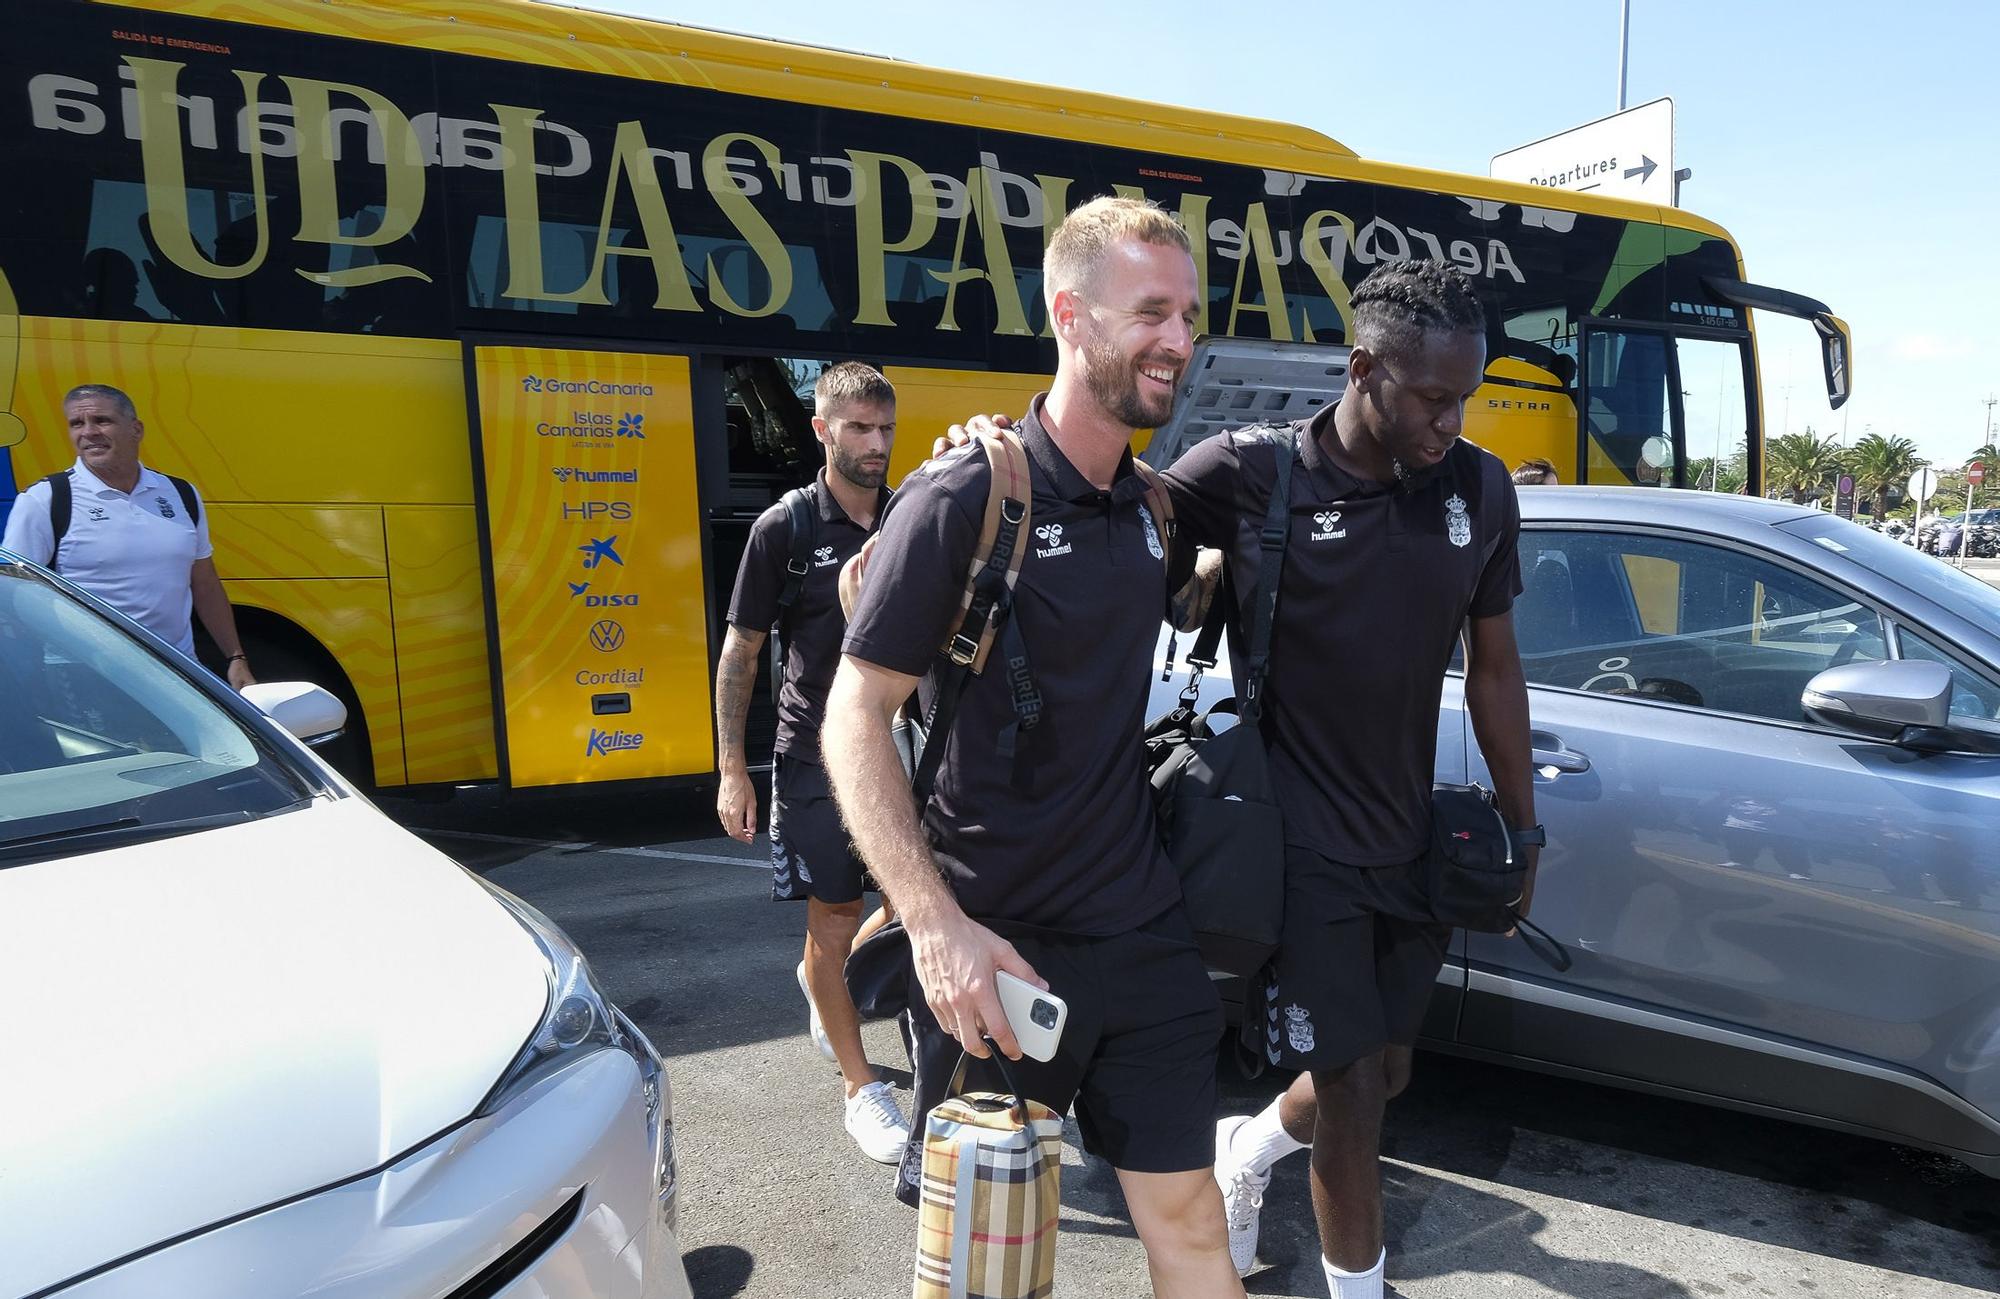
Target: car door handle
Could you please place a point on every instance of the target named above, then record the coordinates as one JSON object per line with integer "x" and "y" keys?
{"x": 1550, "y": 752}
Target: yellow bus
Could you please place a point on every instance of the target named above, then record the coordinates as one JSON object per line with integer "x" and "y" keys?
{"x": 483, "y": 324}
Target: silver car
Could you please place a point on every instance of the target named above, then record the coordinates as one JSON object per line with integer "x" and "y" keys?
{"x": 1767, "y": 749}
{"x": 261, "y": 1041}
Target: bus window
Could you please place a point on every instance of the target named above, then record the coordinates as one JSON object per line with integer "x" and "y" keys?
{"x": 1716, "y": 413}
{"x": 1627, "y": 420}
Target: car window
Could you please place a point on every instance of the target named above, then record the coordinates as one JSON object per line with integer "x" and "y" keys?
{"x": 1971, "y": 694}
{"x": 102, "y": 740}
{"x": 1682, "y": 622}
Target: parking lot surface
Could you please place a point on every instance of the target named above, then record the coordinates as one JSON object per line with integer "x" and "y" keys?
{"x": 1497, "y": 1182}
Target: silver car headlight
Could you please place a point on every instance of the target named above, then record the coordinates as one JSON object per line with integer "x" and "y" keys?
{"x": 577, "y": 1020}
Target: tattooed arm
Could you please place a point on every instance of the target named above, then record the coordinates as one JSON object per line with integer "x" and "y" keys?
{"x": 735, "y": 676}
{"x": 1188, "y": 608}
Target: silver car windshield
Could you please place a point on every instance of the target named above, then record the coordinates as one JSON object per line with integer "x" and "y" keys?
{"x": 104, "y": 743}
{"x": 1936, "y": 581}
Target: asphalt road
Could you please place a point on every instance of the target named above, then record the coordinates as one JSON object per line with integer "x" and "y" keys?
{"x": 1498, "y": 1182}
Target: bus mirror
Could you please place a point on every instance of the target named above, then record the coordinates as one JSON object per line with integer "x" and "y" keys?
{"x": 1836, "y": 350}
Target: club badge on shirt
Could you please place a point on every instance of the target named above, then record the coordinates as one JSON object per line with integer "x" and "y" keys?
{"x": 1458, "y": 527}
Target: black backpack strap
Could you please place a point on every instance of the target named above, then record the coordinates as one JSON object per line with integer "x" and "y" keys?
{"x": 1272, "y": 540}
{"x": 61, "y": 502}
{"x": 800, "y": 509}
{"x": 188, "y": 499}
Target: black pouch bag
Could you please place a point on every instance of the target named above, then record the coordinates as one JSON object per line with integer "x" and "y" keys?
{"x": 1212, "y": 789}
{"x": 1475, "y": 874}
{"x": 1472, "y": 875}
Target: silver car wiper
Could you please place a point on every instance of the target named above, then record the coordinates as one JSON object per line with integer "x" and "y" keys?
{"x": 121, "y": 831}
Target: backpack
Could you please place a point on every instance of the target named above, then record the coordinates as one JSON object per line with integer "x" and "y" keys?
{"x": 988, "y": 600}
{"x": 61, "y": 502}
{"x": 802, "y": 515}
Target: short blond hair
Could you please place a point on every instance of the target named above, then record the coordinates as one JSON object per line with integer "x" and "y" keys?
{"x": 850, "y": 383}
{"x": 1088, "y": 233}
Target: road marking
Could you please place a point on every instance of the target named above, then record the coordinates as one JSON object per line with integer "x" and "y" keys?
{"x": 669, "y": 854}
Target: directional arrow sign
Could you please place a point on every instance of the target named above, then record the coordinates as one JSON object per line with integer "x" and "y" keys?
{"x": 1626, "y": 155}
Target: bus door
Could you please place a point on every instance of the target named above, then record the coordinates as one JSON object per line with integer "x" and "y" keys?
{"x": 1660, "y": 407}
{"x": 585, "y": 481}
{"x": 756, "y": 412}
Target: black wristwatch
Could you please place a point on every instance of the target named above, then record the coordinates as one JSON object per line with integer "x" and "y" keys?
{"x": 1534, "y": 836}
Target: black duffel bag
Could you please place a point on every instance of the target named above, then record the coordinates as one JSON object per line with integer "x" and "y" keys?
{"x": 1212, "y": 788}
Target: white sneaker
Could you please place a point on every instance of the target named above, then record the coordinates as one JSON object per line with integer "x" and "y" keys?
{"x": 877, "y": 1124}
{"x": 1242, "y": 1195}
{"x": 820, "y": 1039}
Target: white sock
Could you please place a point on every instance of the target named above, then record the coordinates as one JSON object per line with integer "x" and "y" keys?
{"x": 1356, "y": 1285}
{"x": 1262, "y": 1141}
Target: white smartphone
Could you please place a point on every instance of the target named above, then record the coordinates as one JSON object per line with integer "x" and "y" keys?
{"x": 1036, "y": 1017}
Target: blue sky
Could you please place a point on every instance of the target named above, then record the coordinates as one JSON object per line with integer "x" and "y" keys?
{"x": 1851, "y": 149}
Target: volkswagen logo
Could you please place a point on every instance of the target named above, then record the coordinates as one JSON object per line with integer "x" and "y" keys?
{"x": 606, "y": 635}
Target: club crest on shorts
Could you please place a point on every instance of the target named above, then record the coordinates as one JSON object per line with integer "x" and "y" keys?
{"x": 1299, "y": 1028}
{"x": 1457, "y": 525}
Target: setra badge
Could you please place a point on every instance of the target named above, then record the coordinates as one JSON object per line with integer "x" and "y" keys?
{"x": 1457, "y": 526}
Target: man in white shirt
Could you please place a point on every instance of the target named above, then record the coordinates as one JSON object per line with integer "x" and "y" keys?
{"x": 135, "y": 538}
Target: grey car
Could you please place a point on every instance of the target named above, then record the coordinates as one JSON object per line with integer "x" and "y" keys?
{"x": 1767, "y": 749}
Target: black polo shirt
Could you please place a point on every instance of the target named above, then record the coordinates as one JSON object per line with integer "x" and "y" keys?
{"x": 1379, "y": 578}
{"x": 812, "y": 632}
{"x": 1071, "y": 844}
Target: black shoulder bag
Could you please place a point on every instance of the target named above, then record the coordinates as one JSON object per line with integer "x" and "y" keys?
{"x": 1212, "y": 790}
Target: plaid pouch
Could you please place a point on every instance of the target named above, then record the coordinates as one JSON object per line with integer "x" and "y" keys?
{"x": 986, "y": 1220}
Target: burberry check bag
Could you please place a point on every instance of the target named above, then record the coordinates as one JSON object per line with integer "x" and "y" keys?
{"x": 986, "y": 1219}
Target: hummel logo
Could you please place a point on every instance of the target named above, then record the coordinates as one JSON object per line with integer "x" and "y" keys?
{"x": 824, "y": 556}
{"x": 1051, "y": 535}
{"x": 1326, "y": 519}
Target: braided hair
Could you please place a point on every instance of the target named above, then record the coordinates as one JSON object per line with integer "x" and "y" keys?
{"x": 1397, "y": 303}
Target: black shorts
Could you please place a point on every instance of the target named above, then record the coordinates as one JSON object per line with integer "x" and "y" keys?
{"x": 1137, "y": 1057}
{"x": 1355, "y": 965}
{"x": 811, "y": 855}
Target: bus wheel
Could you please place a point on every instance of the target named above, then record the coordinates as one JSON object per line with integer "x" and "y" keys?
{"x": 277, "y": 658}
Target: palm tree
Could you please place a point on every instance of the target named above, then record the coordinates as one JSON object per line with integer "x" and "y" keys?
{"x": 1879, "y": 463}
{"x": 1801, "y": 464}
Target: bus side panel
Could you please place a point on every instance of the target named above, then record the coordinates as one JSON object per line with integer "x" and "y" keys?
{"x": 447, "y": 688}
{"x": 350, "y": 617}
{"x": 263, "y": 415}
{"x": 930, "y": 401}
{"x": 264, "y": 542}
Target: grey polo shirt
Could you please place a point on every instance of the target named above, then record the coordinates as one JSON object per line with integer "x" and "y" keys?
{"x": 812, "y": 633}
{"x": 1067, "y": 840}
{"x": 1379, "y": 579}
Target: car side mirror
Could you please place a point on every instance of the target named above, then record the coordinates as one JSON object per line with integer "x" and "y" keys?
{"x": 1906, "y": 702}
{"x": 302, "y": 708}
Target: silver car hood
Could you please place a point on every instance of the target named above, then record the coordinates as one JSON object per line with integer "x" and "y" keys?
{"x": 211, "y": 1024}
